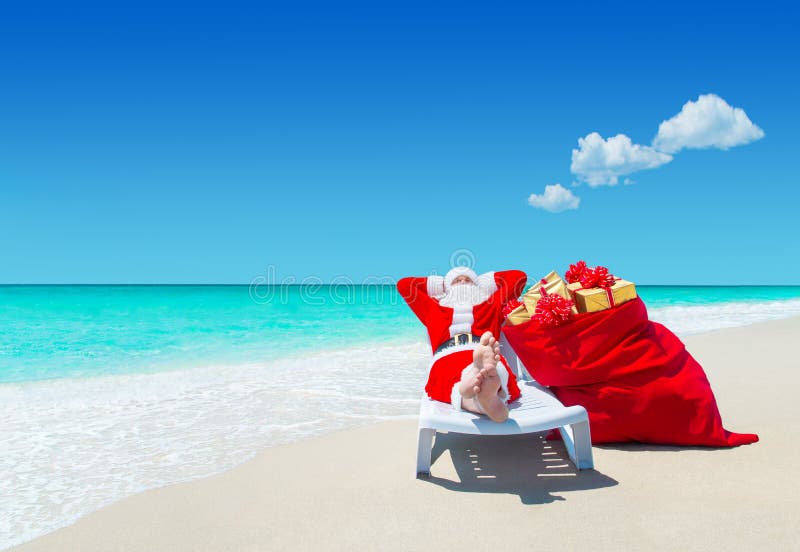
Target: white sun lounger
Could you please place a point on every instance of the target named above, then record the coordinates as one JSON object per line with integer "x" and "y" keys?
{"x": 536, "y": 410}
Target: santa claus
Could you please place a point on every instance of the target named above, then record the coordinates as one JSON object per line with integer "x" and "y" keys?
{"x": 462, "y": 312}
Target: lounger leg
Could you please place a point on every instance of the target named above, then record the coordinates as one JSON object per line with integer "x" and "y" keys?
{"x": 424, "y": 447}
{"x": 583, "y": 446}
{"x": 578, "y": 442}
{"x": 569, "y": 443}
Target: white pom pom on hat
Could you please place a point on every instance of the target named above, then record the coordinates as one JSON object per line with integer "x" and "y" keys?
{"x": 459, "y": 271}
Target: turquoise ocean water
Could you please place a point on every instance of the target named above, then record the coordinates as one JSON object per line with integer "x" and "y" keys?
{"x": 109, "y": 390}
{"x": 84, "y": 331}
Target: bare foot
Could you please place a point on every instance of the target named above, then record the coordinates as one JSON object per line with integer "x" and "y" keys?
{"x": 485, "y": 359}
{"x": 486, "y": 354}
{"x": 470, "y": 383}
{"x": 490, "y": 400}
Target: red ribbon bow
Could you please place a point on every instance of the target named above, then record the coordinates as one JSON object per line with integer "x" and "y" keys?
{"x": 575, "y": 272}
{"x": 552, "y": 310}
{"x": 597, "y": 277}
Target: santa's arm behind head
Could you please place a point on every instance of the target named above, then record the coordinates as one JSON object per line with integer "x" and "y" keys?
{"x": 419, "y": 293}
{"x": 508, "y": 284}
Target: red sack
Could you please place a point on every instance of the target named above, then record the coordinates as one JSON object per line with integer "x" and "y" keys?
{"x": 634, "y": 377}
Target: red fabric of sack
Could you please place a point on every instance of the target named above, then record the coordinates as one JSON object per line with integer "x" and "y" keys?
{"x": 634, "y": 377}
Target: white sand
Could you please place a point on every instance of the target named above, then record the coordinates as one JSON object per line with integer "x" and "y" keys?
{"x": 355, "y": 490}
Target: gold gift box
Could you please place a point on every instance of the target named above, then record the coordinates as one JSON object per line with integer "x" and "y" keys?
{"x": 518, "y": 315}
{"x": 596, "y": 299}
{"x": 553, "y": 285}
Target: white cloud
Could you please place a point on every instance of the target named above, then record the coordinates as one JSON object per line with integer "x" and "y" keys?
{"x": 707, "y": 123}
{"x": 555, "y": 199}
{"x": 598, "y": 161}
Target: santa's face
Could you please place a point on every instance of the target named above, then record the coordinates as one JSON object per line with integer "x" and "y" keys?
{"x": 463, "y": 294}
{"x": 461, "y": 280}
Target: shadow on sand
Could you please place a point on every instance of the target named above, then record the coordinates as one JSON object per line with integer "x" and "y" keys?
{"x": 524, "y": 465}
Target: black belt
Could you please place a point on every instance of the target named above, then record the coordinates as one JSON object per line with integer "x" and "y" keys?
{"x": 458, "y": 339}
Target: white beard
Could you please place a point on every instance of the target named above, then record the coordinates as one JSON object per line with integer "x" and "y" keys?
{"x": 464, "y": 295}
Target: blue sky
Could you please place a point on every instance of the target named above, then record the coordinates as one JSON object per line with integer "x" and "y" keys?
{"x": 202, "y": 143}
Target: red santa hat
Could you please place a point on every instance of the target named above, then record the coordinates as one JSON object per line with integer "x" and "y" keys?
{"x": 459, "y": 271}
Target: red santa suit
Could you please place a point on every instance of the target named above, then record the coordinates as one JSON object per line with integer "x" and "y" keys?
{"x": 455, "y": 329}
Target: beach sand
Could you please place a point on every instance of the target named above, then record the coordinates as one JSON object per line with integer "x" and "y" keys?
{"x": 355, "y": 490}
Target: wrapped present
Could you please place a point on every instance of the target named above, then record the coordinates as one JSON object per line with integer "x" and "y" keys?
{"x": 553, "y": 285}
{"x": 595, "y": 299}
{"x": 519, "y": 315}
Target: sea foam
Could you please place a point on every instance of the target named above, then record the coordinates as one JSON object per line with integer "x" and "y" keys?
{"x": 71, "y": 446}
{"x": 694, "y": 319}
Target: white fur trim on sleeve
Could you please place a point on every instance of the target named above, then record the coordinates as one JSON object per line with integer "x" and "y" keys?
{"x": 435, "y": 286}
{"x": 487, "y": 283}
